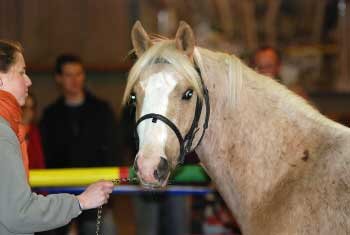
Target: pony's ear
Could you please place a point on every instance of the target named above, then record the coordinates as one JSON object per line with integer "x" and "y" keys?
{"x": 140, "y": 39}
{"x": 184, "y": 39}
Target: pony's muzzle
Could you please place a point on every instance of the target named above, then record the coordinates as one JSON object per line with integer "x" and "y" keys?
{"x": 152, "y": 173}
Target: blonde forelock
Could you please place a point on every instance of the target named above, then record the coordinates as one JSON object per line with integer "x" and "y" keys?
{"x": 166, "y": 50}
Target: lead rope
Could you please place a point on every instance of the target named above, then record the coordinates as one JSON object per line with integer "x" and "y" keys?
{"x": 99, "y": 210}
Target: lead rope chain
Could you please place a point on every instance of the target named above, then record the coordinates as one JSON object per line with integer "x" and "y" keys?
{"x": 99, "y": 210}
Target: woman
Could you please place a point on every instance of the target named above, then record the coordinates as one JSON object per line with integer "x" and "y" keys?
{"x": 21, "y": 210}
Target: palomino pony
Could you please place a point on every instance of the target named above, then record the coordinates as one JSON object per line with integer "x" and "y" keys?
{"x": 281, "y": 166}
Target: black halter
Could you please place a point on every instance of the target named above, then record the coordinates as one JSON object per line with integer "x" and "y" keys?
{"x": 187, "y": 141}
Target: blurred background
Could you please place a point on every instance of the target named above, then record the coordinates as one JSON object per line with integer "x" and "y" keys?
{"x": 311, "y": 37}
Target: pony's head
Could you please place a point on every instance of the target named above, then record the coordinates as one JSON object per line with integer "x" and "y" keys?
{"x": 166, "y": 89}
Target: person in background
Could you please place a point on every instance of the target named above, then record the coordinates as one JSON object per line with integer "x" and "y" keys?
{"x": 267, "y": 61}
{"x": 22, "y": 211}
{"x": 79, "y": 130}
{"x": 32, "y": 136}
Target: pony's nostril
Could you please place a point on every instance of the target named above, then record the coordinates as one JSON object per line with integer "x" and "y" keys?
{"x": 162, "y": 170}
{"x": 156, "y": 174}
{"x": 163, "y": 164}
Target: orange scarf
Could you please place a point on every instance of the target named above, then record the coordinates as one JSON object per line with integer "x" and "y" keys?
{"x": 12, "y": 113}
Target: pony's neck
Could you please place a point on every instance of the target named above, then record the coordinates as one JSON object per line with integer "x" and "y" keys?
{"x": 252, "y": 149}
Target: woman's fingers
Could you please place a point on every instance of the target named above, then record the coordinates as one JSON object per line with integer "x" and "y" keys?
{"x": 96, "y": 194}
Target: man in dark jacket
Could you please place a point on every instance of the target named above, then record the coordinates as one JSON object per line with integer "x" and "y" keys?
{"x": 78, "y": 129}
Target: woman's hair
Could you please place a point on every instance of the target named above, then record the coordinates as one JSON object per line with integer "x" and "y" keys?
{"x": 8, "y": 51}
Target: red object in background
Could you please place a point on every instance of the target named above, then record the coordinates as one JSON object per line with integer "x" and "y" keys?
{"x": 34, "y": 148}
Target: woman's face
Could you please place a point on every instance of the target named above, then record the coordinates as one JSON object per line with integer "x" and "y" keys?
{"x": 16, "y": 81}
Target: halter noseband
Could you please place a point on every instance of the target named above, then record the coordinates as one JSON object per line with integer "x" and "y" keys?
{"x": 187, "y": 141}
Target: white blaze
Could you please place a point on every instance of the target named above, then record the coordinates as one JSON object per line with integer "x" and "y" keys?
{"x": 157, "y": 90}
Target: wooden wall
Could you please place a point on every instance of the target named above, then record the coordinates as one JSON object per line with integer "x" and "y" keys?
{"x": 98, "y": 31}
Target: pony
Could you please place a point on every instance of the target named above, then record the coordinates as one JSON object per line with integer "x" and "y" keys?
{"x": 280, "y": 165}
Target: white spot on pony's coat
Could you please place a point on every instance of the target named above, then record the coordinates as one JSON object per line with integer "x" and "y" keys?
{"x": 157, "y": 90}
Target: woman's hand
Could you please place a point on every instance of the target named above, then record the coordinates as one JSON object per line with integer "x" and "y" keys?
{"x": 95, "y": 195}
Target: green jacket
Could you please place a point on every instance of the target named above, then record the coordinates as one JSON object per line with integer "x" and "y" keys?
{"x": 21, "y": 210}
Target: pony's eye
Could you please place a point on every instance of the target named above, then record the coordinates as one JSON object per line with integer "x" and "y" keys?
{"x": 132, "y": 98}
{"x": 188, "y": 94}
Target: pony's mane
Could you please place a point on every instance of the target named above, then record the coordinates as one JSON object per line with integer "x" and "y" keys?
{"x": 165, "y": 49}
{"x": 237, "y": 72}
{"x": 230, "y": 67}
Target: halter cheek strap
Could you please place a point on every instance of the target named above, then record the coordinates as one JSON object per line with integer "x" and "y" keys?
{"x": 207, "y": 112}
